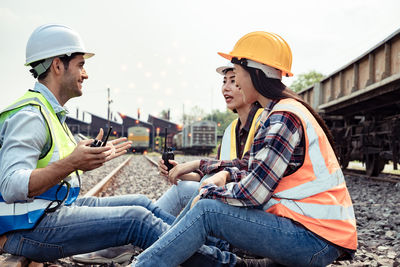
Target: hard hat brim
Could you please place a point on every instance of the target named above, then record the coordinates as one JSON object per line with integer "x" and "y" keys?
{"x": 229, "y": 57}
{"x": 221, "y": 70}
{"x": 88, "y": 55}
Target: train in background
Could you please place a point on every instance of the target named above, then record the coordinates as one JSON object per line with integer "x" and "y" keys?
{"x": 140, "y": 138}
{"x": 199, "y": 137}
{"x": 361, "y": 105}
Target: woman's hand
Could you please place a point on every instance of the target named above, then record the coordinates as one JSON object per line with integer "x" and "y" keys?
{"x": 219, "y": 179}
{"x": 181, "y": 169}
{"x": 163, "y": 169}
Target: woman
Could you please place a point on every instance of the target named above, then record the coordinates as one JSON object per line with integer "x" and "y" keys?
{"x": 236, "y": 141}
{"x": 290, "y": 204}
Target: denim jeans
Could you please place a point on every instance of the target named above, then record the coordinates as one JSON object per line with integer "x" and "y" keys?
{"x": 264, "y": 234}
{"x": 189, "y": 202}
{"x": 177, "y": 196}
{"x": 91, "y": 224}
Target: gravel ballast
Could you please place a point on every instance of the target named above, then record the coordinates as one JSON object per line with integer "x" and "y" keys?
{"x": 375, "y": 203}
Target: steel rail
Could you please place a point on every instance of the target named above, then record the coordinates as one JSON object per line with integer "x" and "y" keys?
{"x": 20, "y": 261}
{"x": 151, "y": 160}
{"x": 100, "y": 186}
{"x": 386, "y": 178}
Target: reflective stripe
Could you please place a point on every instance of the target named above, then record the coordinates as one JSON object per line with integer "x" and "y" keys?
{"x": 316, "y": 211}
{"x": 253, "y": 129}
{"x": 36, "y": 102}
{"x": 325, "y": 180}
{"x": 24, "y": 215}
{"x": 315, "y": 195}
{"x": 228, "y": 142}
{"x": 23, "y": 207}
{"x": 314, "y": 187}
{"x": 21, "y": 103}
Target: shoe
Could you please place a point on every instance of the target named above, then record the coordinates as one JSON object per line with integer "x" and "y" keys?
{"x": 110, "y": 255}
{"x": 256, "y": 263}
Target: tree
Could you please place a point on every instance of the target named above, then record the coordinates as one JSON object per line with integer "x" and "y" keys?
{"x": 195, "y": 114}
{"x": 305, "y": 80}
{"x": 223, "y": 119}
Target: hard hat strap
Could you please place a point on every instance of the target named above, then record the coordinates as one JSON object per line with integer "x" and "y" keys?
{"x": 270, "y": 72}
{"x": 42, "y": 67}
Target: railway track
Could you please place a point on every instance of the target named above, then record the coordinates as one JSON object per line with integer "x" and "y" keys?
{"x": 151, "y": 160}
{"x": 391, "y": 178}
{"x": 375, "y": 204}
{"x": 19, "y": 261}
{"x": 103, "y": 184}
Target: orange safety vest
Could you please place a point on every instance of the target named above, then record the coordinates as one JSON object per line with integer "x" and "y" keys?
{"x": 316, "y": 194}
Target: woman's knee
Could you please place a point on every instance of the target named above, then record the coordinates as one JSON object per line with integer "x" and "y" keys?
{"x": 202, "y": 204}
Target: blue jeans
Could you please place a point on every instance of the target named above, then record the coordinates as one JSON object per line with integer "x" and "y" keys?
{"x": 264, "y": 234}
{"x": 177, "y": 196}
{"x": 91, "y": 224}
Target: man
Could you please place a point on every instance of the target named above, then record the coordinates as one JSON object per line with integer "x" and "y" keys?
{"x": 41, "y": 216}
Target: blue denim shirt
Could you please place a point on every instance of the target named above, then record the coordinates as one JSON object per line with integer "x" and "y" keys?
{"x": 24, "y": 138}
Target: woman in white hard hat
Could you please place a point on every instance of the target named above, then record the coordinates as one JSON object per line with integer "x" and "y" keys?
{"x": 234, "y": 145}
{"x": 290, "y": 204}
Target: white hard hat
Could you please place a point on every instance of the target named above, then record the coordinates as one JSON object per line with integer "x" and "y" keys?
{"x": 51, "y": 40}
{"x": 222, "y": 70}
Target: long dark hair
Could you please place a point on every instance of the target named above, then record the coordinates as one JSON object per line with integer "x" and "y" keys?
{"x": 276, "y": 90}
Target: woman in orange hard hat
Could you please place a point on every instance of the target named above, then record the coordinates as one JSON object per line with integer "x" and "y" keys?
{"x": 290, "y": 204}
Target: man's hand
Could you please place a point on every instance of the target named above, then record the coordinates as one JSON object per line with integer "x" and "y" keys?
{"x": 83, "y": 157}
{"x": 118, "y": 147}
{"x": 87, "y": 158}
{"x": 100, "y": 134}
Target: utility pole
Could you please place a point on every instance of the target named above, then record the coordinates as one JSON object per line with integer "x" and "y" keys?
{"x": 183, "y": 114}
{"x": 109, "y": 101}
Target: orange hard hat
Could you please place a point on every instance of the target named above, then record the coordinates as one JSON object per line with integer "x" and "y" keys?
{"x": 263, "y": 47}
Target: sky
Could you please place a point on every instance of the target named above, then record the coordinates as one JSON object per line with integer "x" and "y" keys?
{"x": 157, "y": 54}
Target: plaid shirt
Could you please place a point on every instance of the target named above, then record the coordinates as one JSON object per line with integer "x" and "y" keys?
{"x": 277, "y": 151}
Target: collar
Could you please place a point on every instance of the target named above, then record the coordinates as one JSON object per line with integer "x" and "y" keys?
{"x": 58, "y": 109}
{"x": 250, "y": 117}
{"x": 270, "y": 106}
